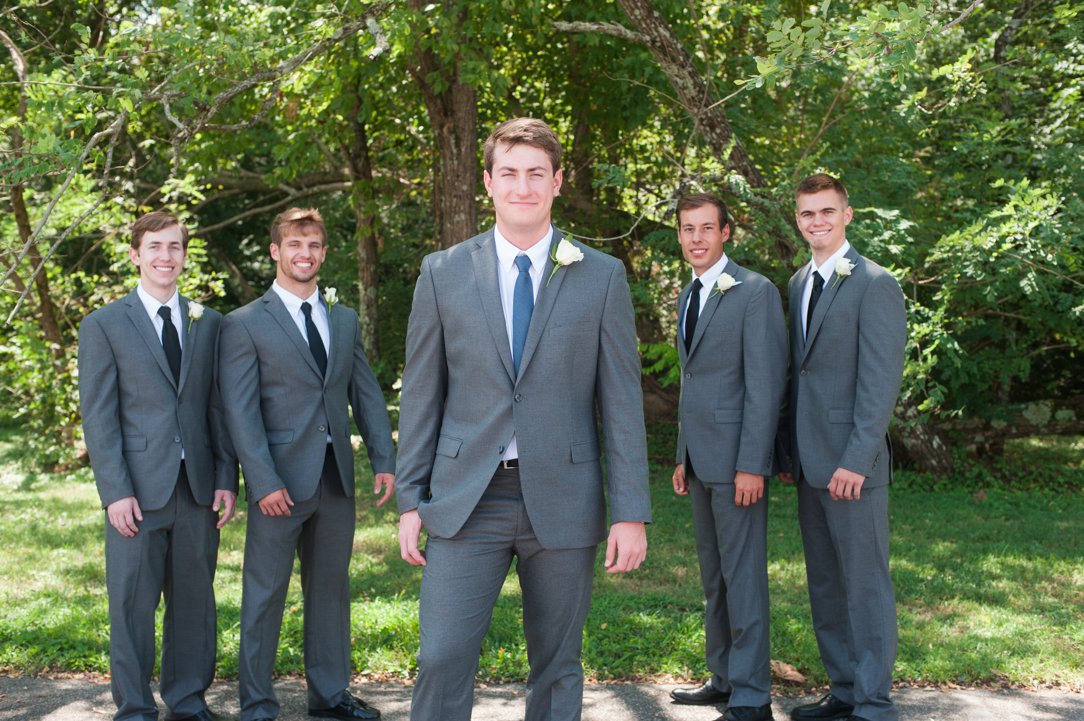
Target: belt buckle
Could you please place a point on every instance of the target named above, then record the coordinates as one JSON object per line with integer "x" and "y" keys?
{"x": 510, "y": 464}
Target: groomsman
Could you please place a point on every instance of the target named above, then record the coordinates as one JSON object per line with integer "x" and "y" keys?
{"x": 732, "y": 345}
{"x": 848, "y": 329}
{"x": 520, "y": 345}
{"x": 164, "y": 469}
{"x": 291, "y": 362}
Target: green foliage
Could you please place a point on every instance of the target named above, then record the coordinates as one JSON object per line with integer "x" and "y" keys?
{"x": 987, "y": 585}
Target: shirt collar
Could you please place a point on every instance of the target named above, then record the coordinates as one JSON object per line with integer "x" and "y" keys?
{"x": 292, "y": 302}
{"x": 152, "y": 304}
{"x": 506, "y": 252}
{"x": 709, "y": 276}
{"x": 829, "y": 266}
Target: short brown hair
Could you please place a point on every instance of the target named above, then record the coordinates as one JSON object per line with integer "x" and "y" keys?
{"x": 527, "y": 131}
{"x": 304, "y": 220}
{"x": 818, "y": 182}
{"x": 153, "y": 222}
{"x": 699, "y": 200}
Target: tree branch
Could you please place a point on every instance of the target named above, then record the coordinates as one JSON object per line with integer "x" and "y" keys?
{"x": 605, "y": 28}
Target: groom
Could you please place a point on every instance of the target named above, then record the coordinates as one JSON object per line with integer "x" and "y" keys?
{"x": 518, "y": 343}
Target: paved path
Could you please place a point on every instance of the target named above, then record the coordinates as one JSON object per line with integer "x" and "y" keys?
{"x": 39, "y": 699}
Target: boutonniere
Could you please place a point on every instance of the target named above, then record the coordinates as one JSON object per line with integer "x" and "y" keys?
{"x": 562, "y": 254}
{"x": 726, "y": 282}
{"x": 331, "y": 297}
{"x": 195, "y": 312}
{"x": 843, "y": 269}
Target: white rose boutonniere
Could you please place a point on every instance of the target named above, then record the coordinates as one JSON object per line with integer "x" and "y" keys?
{"x": 564, "y": 253}
{"x": 843, "y": 269}
{"x": 726, "y": 282}
{"x": 195, "y": 312}
{"x": 331, "y": 297}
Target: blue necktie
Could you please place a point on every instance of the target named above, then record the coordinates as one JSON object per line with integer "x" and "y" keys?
{"x": 522, "y": 307}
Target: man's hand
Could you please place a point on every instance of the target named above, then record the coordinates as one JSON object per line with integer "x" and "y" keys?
{"x": 388, "y": 481}
{"x": 226, "y": 500}
{"x": 681, "y": 486}
{"x": 846, "y": 485}
{"x": 410, "y": 530}
{"x": 787, "y": 478}
{"x": 276, "y": 503}
{"x": 123, "y": 515}
{"x": 628, "y": 542}
{"x": 748, "y": 488}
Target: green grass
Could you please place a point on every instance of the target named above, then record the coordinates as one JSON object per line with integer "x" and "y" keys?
{"x": 990, "y": 586}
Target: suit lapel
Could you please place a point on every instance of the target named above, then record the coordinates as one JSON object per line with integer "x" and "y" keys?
{"x": 683, "y": 298}
{"x": 274, "y": 305}
{"x": 828, "y": 296}
{"x": 189, "y": 332}
{"x": 484, "y": 257}
{"x": 137, "y": 313}
{"x": 544, "y": 301}
{"x": 338, "y": 322}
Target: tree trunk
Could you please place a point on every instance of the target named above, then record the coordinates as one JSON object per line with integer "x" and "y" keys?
{"x": 363, "y": 202}
{"x": 453, "y": 113}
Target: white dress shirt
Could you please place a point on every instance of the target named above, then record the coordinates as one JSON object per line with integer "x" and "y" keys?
{"x": 707, "y": 279}
{"x": 507, "y": 274}
{"x": 152, "y": 304}
{"x": 319, "y": 314}
{"x": 826, "y": 269}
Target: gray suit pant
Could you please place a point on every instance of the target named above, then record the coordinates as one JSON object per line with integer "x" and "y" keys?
{"x": 320, "y": 531}
{"x": 173, "y": 555}
{"x": 731, "y": 544}
{"x": 460, "y": 585}
{"x": 851, "y": 596}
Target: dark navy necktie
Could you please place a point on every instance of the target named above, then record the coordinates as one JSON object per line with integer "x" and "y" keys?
{"x": 522, "y": 307}
{"x": 171, "y": 344}
{"x": 316, "y": 344}
{"x": 692, "y": 313}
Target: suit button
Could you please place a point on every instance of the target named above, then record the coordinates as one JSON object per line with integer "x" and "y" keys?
{"x": 519, "y": 397}
{"x": 322, "y": 429}
{"x": 688, "y": 375}
{"x": 500, "y": 449}
{"x": 804, "y": 372}
{"x": 176, "y": 439}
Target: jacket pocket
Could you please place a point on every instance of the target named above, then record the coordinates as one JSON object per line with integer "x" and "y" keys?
{"x": 134, "y": 443}
{"x": 277, "y": 438}
{"x": 449, "y": 446}
{"x": 728, "y": 415}
{"x": 840, "y": 415}
{"x": 585, "y": 452}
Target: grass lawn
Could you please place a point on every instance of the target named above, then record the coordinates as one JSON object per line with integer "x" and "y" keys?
{"x": 990, "y": 587}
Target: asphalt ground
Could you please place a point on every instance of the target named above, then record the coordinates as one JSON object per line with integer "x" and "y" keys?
{"x": 79, "y": 699}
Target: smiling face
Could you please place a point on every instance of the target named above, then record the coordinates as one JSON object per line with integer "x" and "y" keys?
{"x": 160, "y": 259}
{"x": 298, "y": 257}
{"x": 823, "y": 218}
{"x": 522, "y": 185}
{"x": 702, "y": 235}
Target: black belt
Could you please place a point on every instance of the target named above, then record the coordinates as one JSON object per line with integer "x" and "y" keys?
{"x": 510, "y": 463}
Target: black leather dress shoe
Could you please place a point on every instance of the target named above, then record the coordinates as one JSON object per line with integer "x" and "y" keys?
{"x": 706, "y": 695}
{"x": 748, "y": 713}
{"x": 349, "y": 709}
{"x": 204, "y": 715}
{"x": 828, "y": 707}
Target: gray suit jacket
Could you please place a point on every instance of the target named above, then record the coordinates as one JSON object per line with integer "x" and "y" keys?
{"x": 280, "y": 411}
{"x": 462, "y": 403}
{"x": 733, "y": 379}
{"x": 845, "y": 375}
{"x": 136, "y": 418}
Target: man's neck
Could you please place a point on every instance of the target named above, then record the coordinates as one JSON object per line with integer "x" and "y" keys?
{"x": 819, "y": 257}
{"x": 301, "y": 290}
{"x": 160, "y": 294}
{"x": 524, "y": 238}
